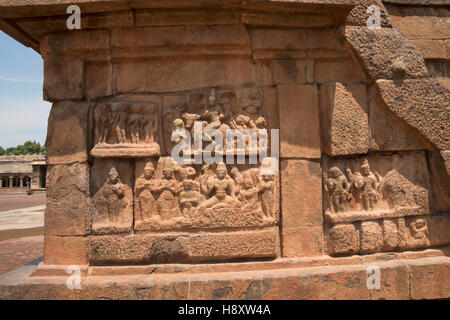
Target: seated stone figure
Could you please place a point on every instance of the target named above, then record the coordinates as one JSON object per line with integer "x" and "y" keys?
{"x": 221, "y": 187}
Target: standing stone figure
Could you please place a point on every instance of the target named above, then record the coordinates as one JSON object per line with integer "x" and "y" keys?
{"x": 113, "y": 191}
{"x": 103, "y": 122}
{"x": 145, "y": 185}
{"x": 266, "y": 189}
{"x": 167, "y": 203}
{"x": 190, "y": 198}
{"x": 248, "y": 195}
{"x": 368, "y": 186}
{"x": 336, "y": 184}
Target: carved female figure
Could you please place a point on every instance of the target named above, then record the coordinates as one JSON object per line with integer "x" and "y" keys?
{"x": 336, "y": 184}
{"x": 167, "y": 203}
{"x": 145, "y": 202}
{"x": 113, "y": 191}
{"x": 266, "y": 188}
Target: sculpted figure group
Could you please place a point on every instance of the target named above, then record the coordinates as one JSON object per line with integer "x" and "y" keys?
{"x": 181, "y": 191}
{"x": 120, "y": 123}
{"x": 362, "y": 187}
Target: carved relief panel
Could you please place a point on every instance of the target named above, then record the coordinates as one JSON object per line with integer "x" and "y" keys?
{"x": 170, "y": 196}
{"x": 126, "y": 130}
{"x": 376, "y": 203}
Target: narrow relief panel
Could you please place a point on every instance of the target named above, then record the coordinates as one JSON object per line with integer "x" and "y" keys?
{"x": 376, "y": 203}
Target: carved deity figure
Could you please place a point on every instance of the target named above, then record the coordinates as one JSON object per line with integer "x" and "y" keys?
{"x": 368, "y": 187}
{"x": 103, "y": 122}
{"x": 134, "y": 124}
{"x": 337, "y": 185}
{"x": 190, "y": 197}
{"x": 167, "y": 187}
{"x": 248, "y": 195}
{"x": 145, "y": 186}
{"x": 221, "y": 187}
{"x": 266, "y": 189}
{"x": 214, "y": 116}
{"x": 419, "y": 229}
{"x": 150, "y": 126}
{"x": 120, "y": 118}
{"x": 113, "y": 191}
{"x": 238, "y": 180}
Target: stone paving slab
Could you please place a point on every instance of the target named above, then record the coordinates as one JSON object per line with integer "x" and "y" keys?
{"x": 15, "y": 253}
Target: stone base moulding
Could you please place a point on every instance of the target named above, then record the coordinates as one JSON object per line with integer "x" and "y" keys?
{"x": 401, "y": 278}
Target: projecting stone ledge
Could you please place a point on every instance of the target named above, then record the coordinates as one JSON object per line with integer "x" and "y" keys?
{"x": 424, "y": 278}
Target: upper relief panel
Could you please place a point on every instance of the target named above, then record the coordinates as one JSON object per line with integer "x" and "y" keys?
{"x": 126, "y": 130}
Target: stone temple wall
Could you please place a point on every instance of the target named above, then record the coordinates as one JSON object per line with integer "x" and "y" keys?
{"x": 364, "y": 136}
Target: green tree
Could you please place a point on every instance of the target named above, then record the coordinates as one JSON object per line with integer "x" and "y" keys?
{"x": 29, "y": 147}
{"x": 2, "y": 151}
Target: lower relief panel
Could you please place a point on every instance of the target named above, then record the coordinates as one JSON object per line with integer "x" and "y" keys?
{"x": 377, "y": 203}
{"x": 156, "y": 211}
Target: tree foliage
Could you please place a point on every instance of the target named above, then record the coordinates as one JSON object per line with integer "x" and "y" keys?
{"x": 29, "y": 147}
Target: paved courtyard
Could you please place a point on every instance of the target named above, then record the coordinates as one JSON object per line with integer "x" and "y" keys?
{"x": 21, "y": 229}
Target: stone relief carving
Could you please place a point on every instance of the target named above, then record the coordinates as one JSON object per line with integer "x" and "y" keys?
{"x": 217, "y": 110}
{"x": 385, "y": 208}
{"x": 112, "y": 201}
{"x": 126, "y": 130}
{"x": 192, "y": 196}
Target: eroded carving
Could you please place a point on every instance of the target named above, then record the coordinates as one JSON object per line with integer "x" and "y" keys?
{"x": 126, "y": 130}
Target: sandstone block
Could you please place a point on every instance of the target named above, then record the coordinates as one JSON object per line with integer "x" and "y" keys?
{"x": 67, "y": 133}
{"x": 66, "y": 250}
{"x": 358, "y": 16}
{"x": 293, "y": 71}
{"x": 386, "y": 53}
{"x": 426, "y": 26}
{"x": 430, "y": 49}
{"x": 345, "y": 128}
{"x": 371, "y": 237}
{"x": 63, "y": 78}
{"x": 186, "y": 17}
{"x": 422, "y": 104}
{"x": 68, "y": 211}
{"x": 302, "y": 242}
{"x": 183, "y": 248}
{"x": 179, "y": 75}
{"x": 338, "y": 71}
{"x": 301, "y": 194}
{"x": 93, "y": 40}
{"x": 298, "y": 105}
{"x": 440, "y": 182}
{"x": 430, "y": 280}
{"x": 98, "y": 80}
{"x": 343, "y": 239}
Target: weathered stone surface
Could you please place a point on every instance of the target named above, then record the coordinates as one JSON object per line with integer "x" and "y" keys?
{"x": 344, "y": 117}
{"x": 386, "y": 53}
{"x": 66, "y": 250}
{"x": 67, "y": 134}
{"x": 184, "y": 247}
{"x": 438, "y": 227}
{"x": 298, "y": 104}
{"x": 343, "y": 239}
{"x": 359, "y": 16}
{"x": 382, "y": 121}
{"x": 68, "y": 211}
{"x": 75, "y": 42}
{"x": 98, "y": 81}
{"x": 422, "y": 26}
{"x": 429, "y": 278}
{"x": 301, "y": 194}
{"x": 344, "y": 71}
{"x": 186, "y": 17}
{"x": 422, "y": 104}
{"x": 430, "y": 49}
{"x": 293, "y": 71}
{"x": 63, "y": 78}
{"x": 394, "y": 282}
{"x": 302, "y": 242}
{"x": 440, "y": 182}
{"x": 371, "y": 237}
{"x": 179, "y": 75}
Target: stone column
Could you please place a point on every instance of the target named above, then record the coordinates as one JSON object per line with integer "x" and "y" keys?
{"x": 1, "y": 182}
{"x": 21, "y": 182}
{"x": 11, "y": 180}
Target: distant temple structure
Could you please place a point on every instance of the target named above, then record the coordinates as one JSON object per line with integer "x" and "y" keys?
{"x": 19, "y": 171}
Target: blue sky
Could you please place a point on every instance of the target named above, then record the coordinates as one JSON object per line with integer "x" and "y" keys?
{"x": 23, "y": 113}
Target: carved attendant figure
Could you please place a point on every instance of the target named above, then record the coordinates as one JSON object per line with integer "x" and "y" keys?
{"x": 145, "y": 202}
{"x": 249, "y": 194}
{"x": 168, "y": 187}
{"x": 113, "y": 192}
{"x": 190, "y": 198}
{"x": 336, "y": 184}
{"x": 267, "y": 185}
{"x": 368, "y": 186}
